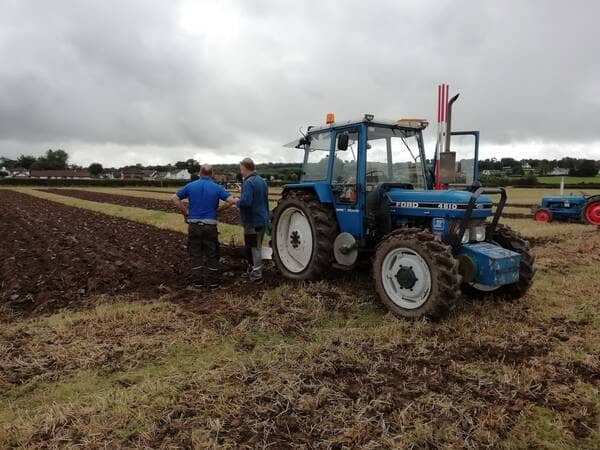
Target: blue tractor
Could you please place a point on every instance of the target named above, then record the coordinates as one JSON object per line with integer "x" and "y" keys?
{"x": 367, "y": 190}
{"x": 580, "y": 208}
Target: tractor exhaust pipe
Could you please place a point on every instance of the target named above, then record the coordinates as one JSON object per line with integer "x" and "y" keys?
{"x": 449, "y": 122}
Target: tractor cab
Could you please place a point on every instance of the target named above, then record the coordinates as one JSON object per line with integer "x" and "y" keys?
{"x": 375, "y": 174}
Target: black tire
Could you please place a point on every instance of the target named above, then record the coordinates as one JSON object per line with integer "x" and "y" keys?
{"x": 593, "y": 200}
{"x": 443, "y": 269}
{"x": 323, "y": 224}
{"x": 510, "y": 240}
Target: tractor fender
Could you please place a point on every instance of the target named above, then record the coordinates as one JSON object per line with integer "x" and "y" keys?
{"x": 321, "y": 190}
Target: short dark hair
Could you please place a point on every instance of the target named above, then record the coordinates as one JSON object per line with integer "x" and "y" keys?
{"x": 247, "y": 163}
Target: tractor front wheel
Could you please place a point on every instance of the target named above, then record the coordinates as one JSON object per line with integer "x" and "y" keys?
{"x": 591, "y": 211}
{"x": 303, "y": 233}
{"x": 415, "y": 275}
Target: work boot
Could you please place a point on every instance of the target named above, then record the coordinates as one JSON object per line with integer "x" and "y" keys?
{"x": 255, "y": 275}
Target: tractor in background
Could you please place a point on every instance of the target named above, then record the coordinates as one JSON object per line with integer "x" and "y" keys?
{"x": 367, "y": 191}
{"x": 581, "y": 208}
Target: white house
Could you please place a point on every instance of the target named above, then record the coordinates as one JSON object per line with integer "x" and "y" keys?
{"x": 559, "y": 171}
{"x": 182, "y": 174}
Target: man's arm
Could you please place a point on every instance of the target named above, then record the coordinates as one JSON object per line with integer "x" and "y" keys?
{"x": 229, "y": 202}
{"x": 182, "y": 207}
{"x": 245, "y": 200}
{"x": 227, "y": 198}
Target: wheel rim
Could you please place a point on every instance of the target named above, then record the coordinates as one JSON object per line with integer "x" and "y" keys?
{"x": 542, "y": 216}
{"x": 592, "y": 213}
{"x": 294, "y": 239}
{"x": 406, "y": 278}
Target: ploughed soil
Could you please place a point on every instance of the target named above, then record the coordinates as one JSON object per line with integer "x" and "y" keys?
{"x": 53, "y": 256}
{"x": 230, "y": 215}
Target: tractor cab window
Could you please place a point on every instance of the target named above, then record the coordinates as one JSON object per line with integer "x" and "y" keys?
{"x": 345, "y": 166}
{"x": 316, "y": 159}
{"x": 393, "y": 156}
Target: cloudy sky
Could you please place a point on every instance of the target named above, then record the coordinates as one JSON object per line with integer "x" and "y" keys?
{"x": 125, "y": 81}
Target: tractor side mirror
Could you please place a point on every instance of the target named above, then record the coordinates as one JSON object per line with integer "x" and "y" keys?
{"x": 343, "y": 140}
{"x": 304, "y": 140}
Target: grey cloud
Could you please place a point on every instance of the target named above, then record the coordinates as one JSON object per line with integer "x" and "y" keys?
{"x": 112, "y": 75}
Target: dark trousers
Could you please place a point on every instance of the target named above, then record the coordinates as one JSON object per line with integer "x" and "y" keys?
{"x": 203, "y": 245}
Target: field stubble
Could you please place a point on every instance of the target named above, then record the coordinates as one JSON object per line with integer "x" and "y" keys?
{"x": 316, "y": 365}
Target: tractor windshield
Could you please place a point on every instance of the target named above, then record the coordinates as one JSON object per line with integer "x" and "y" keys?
{"x": 394, "y": 156}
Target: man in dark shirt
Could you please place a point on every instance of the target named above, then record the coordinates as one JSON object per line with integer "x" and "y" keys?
{"x": 254, "y": 215}
{"x": 201, "y": 215}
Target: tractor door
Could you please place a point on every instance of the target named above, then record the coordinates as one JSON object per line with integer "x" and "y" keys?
{"x": 465, "y": 149}
{"x": 345, "y": 187}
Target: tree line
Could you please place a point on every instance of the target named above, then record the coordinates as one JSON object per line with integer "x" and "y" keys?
{"x": 59, "y": 160}
{"x": 290, "y": 172}
{"x": 577, "y": 167}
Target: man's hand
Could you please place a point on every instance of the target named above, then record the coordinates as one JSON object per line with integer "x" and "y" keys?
{"x": 228, "y": 204}
{"x": 182, "y": 207}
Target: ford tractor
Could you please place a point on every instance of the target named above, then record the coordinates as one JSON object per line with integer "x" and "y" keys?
{"x": 367, "y": 190}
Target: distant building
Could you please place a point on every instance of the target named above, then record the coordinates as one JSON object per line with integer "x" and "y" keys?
{"x": 61, "y": 174}
{"x": 494, "y": 173}
{"x": 181, "y": 174}
{"x": 527, "y": 168}
{"x": 134, "y": 173}
{"x": 559, "y": 171}
{"x": 15, "y": 173}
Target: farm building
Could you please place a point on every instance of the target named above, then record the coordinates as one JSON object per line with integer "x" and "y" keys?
{"x": 559, "y": 171}
{"x": 135, "y": 173}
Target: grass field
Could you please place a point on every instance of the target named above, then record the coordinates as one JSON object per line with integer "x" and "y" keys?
{"x": 569, "y": 180}
{"x": 314, "y": 365}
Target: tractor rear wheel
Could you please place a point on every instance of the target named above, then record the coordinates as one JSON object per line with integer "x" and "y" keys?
{"x": 591, "y": 211}
{"x": 543, "y": 215}
{"x": 509, "y": 239}
{"x": 415, "y": 275}
{"x": 304, "y": 230}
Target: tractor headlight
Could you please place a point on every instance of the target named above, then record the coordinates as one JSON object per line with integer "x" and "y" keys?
{"x": 466, "y": 237}
{"x": 478, "y": 233}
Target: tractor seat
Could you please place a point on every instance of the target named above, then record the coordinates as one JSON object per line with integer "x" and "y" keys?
{"x": 377, "y": 206}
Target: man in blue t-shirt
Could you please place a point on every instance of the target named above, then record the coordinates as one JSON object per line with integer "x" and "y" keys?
{"x": 201, "y": 215}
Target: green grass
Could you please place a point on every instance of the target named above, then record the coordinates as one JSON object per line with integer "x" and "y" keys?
{"x": 568, "y": 179}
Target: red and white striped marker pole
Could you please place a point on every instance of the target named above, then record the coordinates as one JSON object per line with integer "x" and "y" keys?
{"x": 442, "y": 130}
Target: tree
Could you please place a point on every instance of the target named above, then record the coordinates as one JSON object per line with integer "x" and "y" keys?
{"x": 96, "y": 169}
{"x": 7, "y": 163}
{"x": 25, "y": 162}
{"x": 192, "y": 166}
{"x": 584, "y": 168}
{"x": 52, "y": 160}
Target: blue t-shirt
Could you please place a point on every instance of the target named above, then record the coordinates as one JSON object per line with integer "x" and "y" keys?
{"x": 204, "y": 195}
